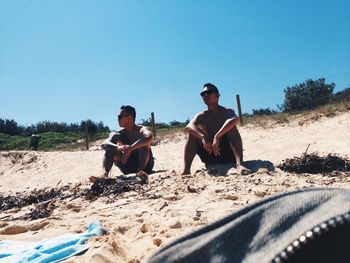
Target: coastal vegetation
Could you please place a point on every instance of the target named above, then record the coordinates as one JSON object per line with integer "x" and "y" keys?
{"x": 307, "y": 101}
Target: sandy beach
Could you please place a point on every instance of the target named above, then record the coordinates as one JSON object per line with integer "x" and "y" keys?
{"x": 140, "y": 221}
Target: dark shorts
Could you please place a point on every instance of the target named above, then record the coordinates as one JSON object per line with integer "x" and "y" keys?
{"x": 226, "y": 155}
{"x": 132, "y": 165}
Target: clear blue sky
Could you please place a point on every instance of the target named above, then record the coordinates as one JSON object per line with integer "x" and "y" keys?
{"x": 72, "y": 60}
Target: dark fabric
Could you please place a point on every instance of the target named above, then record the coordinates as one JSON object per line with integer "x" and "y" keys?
{"x": 132, "y": 165}
{"x": 260, "y": 232}
{"x": 226, "y": 155}
{"x": 34, "y": 142}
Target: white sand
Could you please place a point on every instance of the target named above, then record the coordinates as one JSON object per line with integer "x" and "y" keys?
{"x": 137, "y": 224}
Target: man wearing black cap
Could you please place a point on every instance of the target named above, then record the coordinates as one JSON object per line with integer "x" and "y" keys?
{"x": 213, "y": 134}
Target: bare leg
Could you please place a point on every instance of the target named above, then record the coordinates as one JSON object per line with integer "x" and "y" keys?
{"x": 109, "y": 158}
{"x": 190, "y": 153}
{"x": 107, "y": 163}
{"x": 237, "y": 148}
{"x": 144, "y": 155}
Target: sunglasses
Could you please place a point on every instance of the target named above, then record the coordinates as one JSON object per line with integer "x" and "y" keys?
{"x": 121, "y": 116}
{"x": 207, "y": 93}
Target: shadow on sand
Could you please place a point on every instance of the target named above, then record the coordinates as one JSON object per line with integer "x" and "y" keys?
{"x": 133, "y": 177}
{"x": 227, "y": 169}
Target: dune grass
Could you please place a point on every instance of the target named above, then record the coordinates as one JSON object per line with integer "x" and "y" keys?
{"x": 302, "y": 117}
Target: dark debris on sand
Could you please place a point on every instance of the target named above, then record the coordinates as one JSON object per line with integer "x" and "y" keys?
{"x": 44, "y": 199}
{"x": 34, "y": 197}
{"x": 42, "y": 210}
{"x": 111, "y": 186}
{"x": 314, "y": 164}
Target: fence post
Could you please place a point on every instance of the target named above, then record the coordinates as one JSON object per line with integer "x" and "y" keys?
{"x": 86, "y": 137}
{"x": 239, "y": 109}
{"x": 153, "y": 126}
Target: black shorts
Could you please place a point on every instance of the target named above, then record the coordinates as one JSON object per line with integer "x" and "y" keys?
{"x": 225, "y": 157}
{"x": 132, "y": 165}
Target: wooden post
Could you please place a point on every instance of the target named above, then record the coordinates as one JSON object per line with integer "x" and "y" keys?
{"x": 153, "y": 126}
{"x": 86, "y": 137}
{"x": 239, "y": 109}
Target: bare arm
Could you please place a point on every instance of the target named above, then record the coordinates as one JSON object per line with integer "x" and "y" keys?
{"x": 200, "y": 133}
{"x": 112, "y": 141}
{"x": 145, "y": 139}
{"x": 192, "y": 127}
{"x": 228, "y": 125}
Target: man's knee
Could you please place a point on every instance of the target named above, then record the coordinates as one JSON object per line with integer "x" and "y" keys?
{"x": 233, "y": 136}
{"x": 143, "y": 151}
{"x": 192, "y": 147}
{"x": 108, "y": 147}
{"x": 145, "y": 148}
{"x": 235, "y": 141}
{"x": 110, "y": 153}
{"x": 111, "y": 156}
{"x": 192, "y": 140}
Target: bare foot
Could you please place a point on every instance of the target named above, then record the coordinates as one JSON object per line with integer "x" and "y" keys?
{"x": 141, "y": 174}
{"x": 242, "y": 170}
{"x": 93, "y": 179}
{"x": 186, "y": 172}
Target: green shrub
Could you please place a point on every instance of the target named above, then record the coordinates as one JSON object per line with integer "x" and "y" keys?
{"x": 50, "y": 140}
{"x": 307, "y": 95}
{"x": 13, "y": 142}
{"x": 343, "y": 95}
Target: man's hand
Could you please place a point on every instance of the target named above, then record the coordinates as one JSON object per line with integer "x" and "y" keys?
{"x": 215, "y": 146}
{"x": 207, "y": 145}
{"x": 126, "y": 152}
{"x": 124, "y": 148}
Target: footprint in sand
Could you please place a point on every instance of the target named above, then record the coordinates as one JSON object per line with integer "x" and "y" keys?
{"x": 38, "y": 226}
{"x": 109, "y": 250}
{"x": 99, "y": 258}
{"x": 13, "y": 230}
{"x": 3, "y": 224}
{"x": 74, "y": 207}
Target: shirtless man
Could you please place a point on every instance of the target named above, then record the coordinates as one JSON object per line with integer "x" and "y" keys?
{"x": 130, "y": 147}
{"x": 213, "y": 134}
